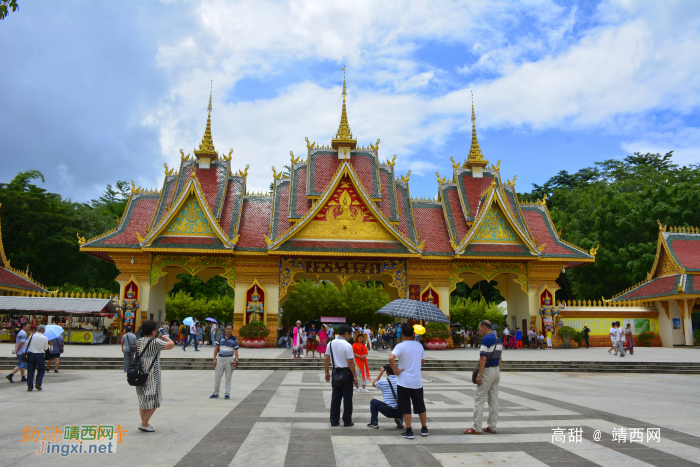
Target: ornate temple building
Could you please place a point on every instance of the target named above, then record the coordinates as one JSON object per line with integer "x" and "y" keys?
{"x": 670, "y": 287}
{"x": 341, "y": 214}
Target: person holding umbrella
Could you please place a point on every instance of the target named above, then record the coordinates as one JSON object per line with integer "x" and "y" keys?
{"x": 55, "y": 351}
{"x": 192, "y": 323}
{"x": 212, "y": 331}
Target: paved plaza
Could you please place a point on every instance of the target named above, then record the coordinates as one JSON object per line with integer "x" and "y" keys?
{"x": 280, "y": 418}
{"x": 641, "y": 354}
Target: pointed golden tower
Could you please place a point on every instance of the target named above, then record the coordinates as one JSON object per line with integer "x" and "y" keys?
{"x": 343, "y": 138}
{"x": 206, "y": 151}
{"x": 475, "y": 160}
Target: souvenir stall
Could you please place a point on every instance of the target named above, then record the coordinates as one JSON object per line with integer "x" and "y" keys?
{"x": 86, "y": 320}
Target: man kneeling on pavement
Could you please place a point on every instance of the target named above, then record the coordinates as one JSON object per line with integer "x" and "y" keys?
{"x": 388, "y": 407}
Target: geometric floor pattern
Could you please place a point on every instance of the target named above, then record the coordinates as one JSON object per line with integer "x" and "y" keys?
{"x": 284, "y": 422}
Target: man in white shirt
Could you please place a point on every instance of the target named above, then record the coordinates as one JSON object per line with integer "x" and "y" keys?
{"x": 20, "y": 348}
{"x": 343, "y": 369}
{"x": 193, "y": 336}
{"x": 38, "y": 345}
{"x": 613, "y": 334}
{"x": 619, "y": 339}
{"x": 410, "y": 385}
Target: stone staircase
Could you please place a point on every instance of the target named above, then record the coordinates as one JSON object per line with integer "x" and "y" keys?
{"x": 617, "y": 366}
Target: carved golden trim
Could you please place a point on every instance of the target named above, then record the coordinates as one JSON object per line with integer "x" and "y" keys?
{"x": 665, "y": 305}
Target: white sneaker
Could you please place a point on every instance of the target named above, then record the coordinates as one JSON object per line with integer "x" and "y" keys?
{"x": 358, "y": 390}
{"x": 365, "y": 390}
{"x": 148, "y": 428}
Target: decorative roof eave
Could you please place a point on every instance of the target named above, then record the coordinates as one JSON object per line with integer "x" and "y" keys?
{"x": 275, "y": 199}
{"x": 199, "y": 251}
{"x": 441, "y": 199}
{"x": 6, "y": 265}
{"x": 493, "y": 193}
{"x": 25, "y": 277}
{"x": 84, "y": 244}
{"x": 678, "y": 293}
{"x": 162, "y": 191}
{"x": 344, "y": 254}
{"x": 192, "y": 187}
{"x": 344, "y": 169}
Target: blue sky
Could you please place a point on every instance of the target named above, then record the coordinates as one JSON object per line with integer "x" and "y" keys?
{"x": 95, "y": 92}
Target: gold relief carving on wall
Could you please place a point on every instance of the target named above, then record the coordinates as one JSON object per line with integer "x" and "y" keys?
{"x": 193, "y": 265}
{"x": 345, "y": 216}
{"x": 488, "y": 271}
{"x": 494, "y": 228}
{"x": 190, "y": 221}
{"x": 680, "y": 303}
{"x": 264, "y": 269}
{"x": 666, "y": 306}
{"x": 137, "y": 265}
{"x": 668, "y": 266}
{"x": 544, "y": 274}
{"x": 423, "y": 272}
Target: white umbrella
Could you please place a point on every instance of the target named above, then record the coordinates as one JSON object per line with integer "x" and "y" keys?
{"x": 53, "y": 331}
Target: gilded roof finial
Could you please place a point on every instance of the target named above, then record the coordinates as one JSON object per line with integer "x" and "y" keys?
{"x": 206, "y": 147}
{"x": 475, "y": 155}
{"x": 343, "y": 138}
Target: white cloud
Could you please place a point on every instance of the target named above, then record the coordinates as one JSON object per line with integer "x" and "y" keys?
{"x": 538, "y": 73}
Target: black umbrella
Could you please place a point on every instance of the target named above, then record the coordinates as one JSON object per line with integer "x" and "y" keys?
{"x": 457, "y": 324}
{"x": 414, "y": 309}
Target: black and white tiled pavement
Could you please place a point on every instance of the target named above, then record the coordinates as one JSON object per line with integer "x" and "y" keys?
{"x": 284, "y": 422}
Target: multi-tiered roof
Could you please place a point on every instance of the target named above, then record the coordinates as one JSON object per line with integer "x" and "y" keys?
{"x": 341, "y": 200}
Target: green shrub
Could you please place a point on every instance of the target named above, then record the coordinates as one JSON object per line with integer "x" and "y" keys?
{"x": 254, "y": 329}
{"x": 567, "y": 333}
{"x": 696, "y": 336}
{"x": 436, "y": 331}
{"x": 645, "y": 338}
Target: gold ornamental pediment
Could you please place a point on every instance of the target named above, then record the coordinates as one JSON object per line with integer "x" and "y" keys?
{"x": 190, "y": 221}
{"x": 346, "y": 217}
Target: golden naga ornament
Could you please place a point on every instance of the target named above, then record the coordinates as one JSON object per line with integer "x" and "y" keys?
{"x": 294, "y": 159}
{"x": 168, "y": 172}
{"x": 81, "y": 240}
{"x": 391, "y": 162}
{"x": 405, "y": 179}
{"x": 230, "y": 156}
{"x": 310, "y": 145}
{"x": 374, "y": 146}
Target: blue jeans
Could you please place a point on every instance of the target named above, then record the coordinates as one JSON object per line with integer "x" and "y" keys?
{"x": 193, "y": 337}
{"x": 377, "y": 406}
{"x": 36, "y": 363}
{"x": 20, "y": 364}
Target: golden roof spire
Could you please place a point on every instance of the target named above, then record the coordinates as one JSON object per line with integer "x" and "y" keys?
{"x": 206, "y": 147}
{"x": 475, "y": 157}
{"x": 343, "y": 138}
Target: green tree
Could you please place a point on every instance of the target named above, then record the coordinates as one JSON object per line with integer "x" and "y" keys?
{"x": 39, "y": 230}
{"x": 615, "y": 205}
{"x": 470, "y": 312}
{"x": 484, "y": 289}
{"x": 6, "y": 6}
{"x": 215, "y": 287}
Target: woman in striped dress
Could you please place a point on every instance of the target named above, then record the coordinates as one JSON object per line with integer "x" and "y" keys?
{"x": 151, "y": 393}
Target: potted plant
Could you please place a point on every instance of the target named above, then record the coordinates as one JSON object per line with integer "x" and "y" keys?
{"x": 253, "y": 334}
{"x": 568, "y": 334}
{"x": 645, "y": 338}
{"x": 436, "y": 335}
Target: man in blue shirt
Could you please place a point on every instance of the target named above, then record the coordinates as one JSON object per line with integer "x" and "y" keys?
{"x": 20, "y": 348}
{"x": 388, "y": 407}
{"x": 225, "y": 360}
{"x": 487, "y": 381}
{"x": 518, "y": 338}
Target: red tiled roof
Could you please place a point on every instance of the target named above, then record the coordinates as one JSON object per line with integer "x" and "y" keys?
{"x": 281, "y": 204}
{"x": 325, "y": 166}
{"x": 694, "y": 282}
{"x": 538, "y": 225}
{"x": 344, "y": 245}
{"x": 457, "y": 213}
{"x": 385, "y": 204}
{"x": 255, "y": 224}
{"x": 210, "y": 180}
{"x": 138, "y": 221}
{"x": 686, "y": 249}
{"x": 10, "y": 279}
{"x": 365, "y": 168}
{"x": 430, "y": 223}
{"x": 301, "y": 204}
{"x": 473, "y": 187}
{"x": 232, "y": 205}
{"x": 667, "y": 285}
{"x": 406, "y": 224}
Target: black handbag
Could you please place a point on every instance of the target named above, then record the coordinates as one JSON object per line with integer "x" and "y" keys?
{"x": 339, "y": 377}
{"x": 135, "y": 375}
{"x": 25, "y": 355}
{"x": 475, "y": 371}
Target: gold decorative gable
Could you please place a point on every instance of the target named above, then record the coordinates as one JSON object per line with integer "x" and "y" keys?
{"x": 190, "y": 221}
{"x": 346, "y": 217}
{"x": 495, "y": 229}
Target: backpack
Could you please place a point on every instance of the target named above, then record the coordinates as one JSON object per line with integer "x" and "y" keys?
{"x": 135, "y": 375}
